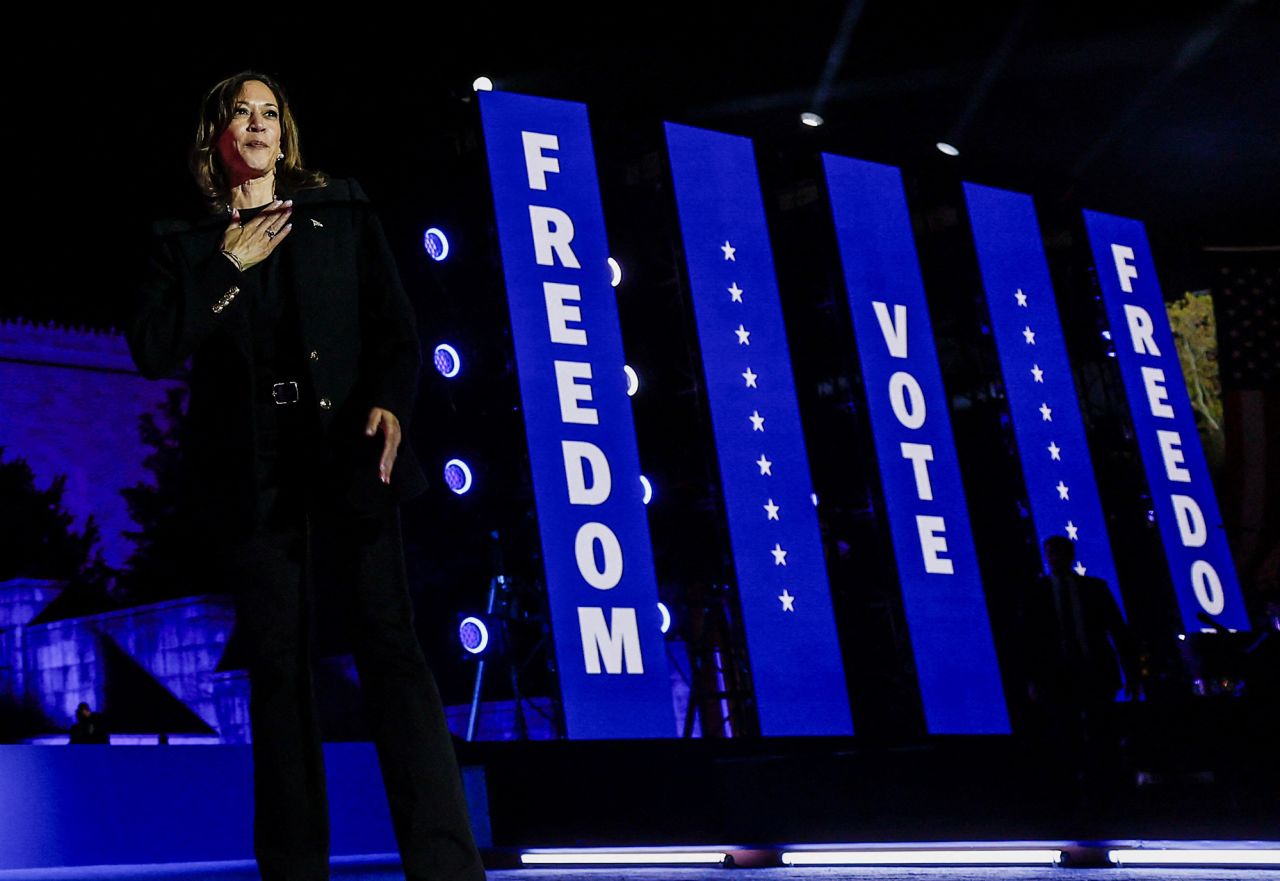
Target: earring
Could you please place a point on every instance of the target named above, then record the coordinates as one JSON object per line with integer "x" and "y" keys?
{"x": 278, "y": 158}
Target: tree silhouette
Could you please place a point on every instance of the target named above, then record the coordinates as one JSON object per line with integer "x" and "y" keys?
{"x": 36, "y": 538}
{"x": 163, "y": 563}
{"x": 37, "y": 541}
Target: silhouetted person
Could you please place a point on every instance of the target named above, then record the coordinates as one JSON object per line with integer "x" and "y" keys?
{"x": 1085, "y": 652}
{"x": 88, "y": 727}
{"x": 1080, "y": 654}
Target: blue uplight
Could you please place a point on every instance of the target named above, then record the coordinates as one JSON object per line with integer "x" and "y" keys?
{"x": 447, "y": 360}
{"x": 473, "y": 634}
{"x": 436, "y": 244}
{"x": 457, "y": 476}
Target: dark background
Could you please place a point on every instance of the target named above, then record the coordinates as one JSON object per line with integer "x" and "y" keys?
{"x": 1155, "y": 110}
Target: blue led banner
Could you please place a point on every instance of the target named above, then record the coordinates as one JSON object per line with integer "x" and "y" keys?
{"x": 1042, "y": 398}
{"x": 582, "y": 448}
{"x": 1204, "y": 577}
{"x": 942, "y": 592}
{"x": 764, "y": 472}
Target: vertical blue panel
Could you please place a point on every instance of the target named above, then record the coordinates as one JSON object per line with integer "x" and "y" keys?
{"x": 1204, "y": 577}
{"x": 782, "y": 581}
{"x": 941, "y": 586}
{"x": 1037, "y": 378}
{"x": 582, "y": 446}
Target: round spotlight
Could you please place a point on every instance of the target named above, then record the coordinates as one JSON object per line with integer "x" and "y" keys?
{"x": 812, "y": 120}
{"x": 473, "y": 635}
{"x": 447, "y": 360}
{"x": 615, "y": 277}
{"x": 666, "y": 617}
{"x": 944, "y": 147}
{"x": 436, "y": 244}
{"x": 482, "y": 84}
{"x": 633, "y": 381}
{"x": 457, "y": 476}
{"x": 648, "y": 489}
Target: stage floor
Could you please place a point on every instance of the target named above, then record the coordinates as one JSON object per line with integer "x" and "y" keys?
{"x": 389, "y": 871}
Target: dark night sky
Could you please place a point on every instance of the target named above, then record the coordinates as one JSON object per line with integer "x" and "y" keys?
{"x": 1165, "y": 115}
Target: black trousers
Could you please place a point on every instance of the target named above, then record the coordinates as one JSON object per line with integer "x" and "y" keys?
{"x": 276, "y": 614}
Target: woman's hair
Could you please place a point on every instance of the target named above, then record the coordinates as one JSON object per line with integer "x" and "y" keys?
{"x": 215, "y": 116}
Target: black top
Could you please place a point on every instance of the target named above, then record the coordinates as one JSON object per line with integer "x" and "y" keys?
{"x": 273, "y": 317}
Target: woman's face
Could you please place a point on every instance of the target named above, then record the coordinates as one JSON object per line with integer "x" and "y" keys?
{"x": 249, "y": 145}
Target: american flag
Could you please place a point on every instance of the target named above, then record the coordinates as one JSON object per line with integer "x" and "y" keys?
{"x": 1247, "y": 306}
{"x": 1247, "y": 302}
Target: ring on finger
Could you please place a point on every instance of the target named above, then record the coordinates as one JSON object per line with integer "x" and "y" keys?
{"x": 271, "y": 233}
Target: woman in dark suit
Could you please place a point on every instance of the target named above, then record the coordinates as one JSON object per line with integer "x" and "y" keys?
{"x": 304, "y": 359}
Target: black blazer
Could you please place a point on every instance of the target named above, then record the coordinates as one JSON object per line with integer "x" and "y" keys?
{"x": 358, "y": 330}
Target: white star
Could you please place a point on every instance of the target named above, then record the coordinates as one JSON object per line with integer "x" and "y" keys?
{"x": 779, "y": 555}
{"x": 788, "y": 601}
{"x": 750, "y": 378}
{"x": 757, "y": 421}
{"x": 1073, "y": 531}
{"x": 1021, "y": 298}
{"x": 765, "y": 465}
{"x": 1046, "y": 412}
{"x": 735, "y": 292}
{"x": 1055, "y": 451}
{"x": 728, "y": 250}
{"x": 1079, "y": 567}
{"x": 772, "y": 510}
{"x": 1029, "y": 335}
{"x": 1064, "y": 491}
{"x": 1037, "y": 373}
{"x": 744, "y": 336}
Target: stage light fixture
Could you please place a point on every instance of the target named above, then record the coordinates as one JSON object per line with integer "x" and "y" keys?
{"x": 473, "y": 634}
{"x": 482, "y": 84}
{"x": 666, "y": 617}
{"x": 436, "y": 244}
{"x": 615, "y": 272}
{"x": 812, "y": 120}
{"x": 947, "y": 149}
{"x": 633, "y": 381}
{"x": 447, "y": 360}
{"x": 648, "y": 489}
{"x": 628, "y": 858}
{"x": 1196, "y": 856}
{"x": 924, "y": 857}
{"x": 457, "y": 476}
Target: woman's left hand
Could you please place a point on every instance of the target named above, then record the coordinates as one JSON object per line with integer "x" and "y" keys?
{"x": 390, "y": 426}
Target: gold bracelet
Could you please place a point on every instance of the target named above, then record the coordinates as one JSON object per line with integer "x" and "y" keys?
{"x": 234, "y": 259}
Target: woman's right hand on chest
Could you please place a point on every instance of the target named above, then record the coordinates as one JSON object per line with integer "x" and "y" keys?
{"x": 248, "y": 244}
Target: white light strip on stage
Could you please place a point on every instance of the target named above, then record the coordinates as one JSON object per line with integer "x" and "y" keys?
{"x": 1196, "y": 856}
{"x": 614, "y": 858}
{"x": 930, "y": 857}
